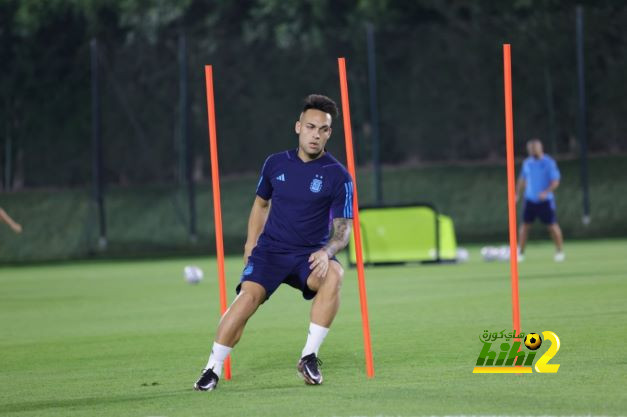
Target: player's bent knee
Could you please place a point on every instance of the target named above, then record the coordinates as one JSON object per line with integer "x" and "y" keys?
{"x": 335, "y": 274}
{"x": 333, "y": 278}
{"x": 336, "y": 269}
{"x": 252, "y": 293}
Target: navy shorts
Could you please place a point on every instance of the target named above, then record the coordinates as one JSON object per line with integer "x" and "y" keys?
{"x": 544, "y": 210}
{"x": 271, "y": 268}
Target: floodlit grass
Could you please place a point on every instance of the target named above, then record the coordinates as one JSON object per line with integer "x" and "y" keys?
{"x": 129, "y": 339}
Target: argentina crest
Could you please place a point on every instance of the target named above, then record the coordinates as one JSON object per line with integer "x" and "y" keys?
{"x": 316, "y": 184}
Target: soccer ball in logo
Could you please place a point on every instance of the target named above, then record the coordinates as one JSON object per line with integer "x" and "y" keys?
{"x": 533, "y": 341}
{"x": 193, "y": 274}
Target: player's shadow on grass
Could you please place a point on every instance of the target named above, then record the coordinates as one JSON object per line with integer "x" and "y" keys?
{"x": 84, "y": 402}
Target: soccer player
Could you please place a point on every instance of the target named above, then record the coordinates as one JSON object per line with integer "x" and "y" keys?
{"x": 17, "y": 228}
{"x": 302, "y": 192}
{"x": 538, "y": 178}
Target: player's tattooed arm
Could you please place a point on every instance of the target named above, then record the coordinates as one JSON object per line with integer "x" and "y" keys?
{"x": 319, "y": 260}
{"x": 339, "y": 238}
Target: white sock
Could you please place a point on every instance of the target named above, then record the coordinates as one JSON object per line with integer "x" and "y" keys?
{"x": 216, "y": 359}
{"x": 314, "y": 339}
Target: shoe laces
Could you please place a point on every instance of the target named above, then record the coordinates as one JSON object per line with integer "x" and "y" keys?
{"x": 313, "y": 361}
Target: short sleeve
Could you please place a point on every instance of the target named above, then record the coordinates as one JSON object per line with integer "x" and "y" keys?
{"x": 554, "y": 172}
{"x": 264, "y": 186}
{"x": 342, "y": 205}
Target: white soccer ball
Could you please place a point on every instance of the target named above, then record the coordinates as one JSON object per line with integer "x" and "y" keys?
{"x": 490, "y": 253}
{"x": 192, "y": 274}
{"x": 462, "y": 254}
{"x": 504, "y": 253}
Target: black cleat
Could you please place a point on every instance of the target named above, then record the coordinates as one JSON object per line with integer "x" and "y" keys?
{"x": 208, "y": 381}
{"x": 308, "y": 369}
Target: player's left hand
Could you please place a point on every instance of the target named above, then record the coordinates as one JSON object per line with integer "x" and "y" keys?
{"x": 319, "y": 263}
{"x": 543, "y": 195}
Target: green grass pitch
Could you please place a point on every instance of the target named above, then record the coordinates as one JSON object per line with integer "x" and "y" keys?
{"x": 129, "y": 339}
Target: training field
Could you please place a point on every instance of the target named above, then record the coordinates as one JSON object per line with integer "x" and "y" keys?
{"x": 129, "y": 338}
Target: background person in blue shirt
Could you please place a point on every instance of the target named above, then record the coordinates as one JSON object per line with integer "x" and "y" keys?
{"x": 539, "y": 177}
{"x": 301, "y": 194}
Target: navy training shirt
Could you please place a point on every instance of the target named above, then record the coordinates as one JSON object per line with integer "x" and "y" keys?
{"x": 306, "y": 197}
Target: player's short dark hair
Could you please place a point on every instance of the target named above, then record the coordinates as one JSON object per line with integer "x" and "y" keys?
{"x": 322, "y": 103}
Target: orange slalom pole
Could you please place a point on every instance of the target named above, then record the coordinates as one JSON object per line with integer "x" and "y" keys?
{"x": 511, "y": 184}
{"x": 217, "y": 208}
{"x": 350, "y": 159}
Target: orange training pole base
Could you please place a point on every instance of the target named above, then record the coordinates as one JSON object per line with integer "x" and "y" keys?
{"x": 350, "y": 159}
{"x": 217, "y": 209}
{"x": 511, "y": 184}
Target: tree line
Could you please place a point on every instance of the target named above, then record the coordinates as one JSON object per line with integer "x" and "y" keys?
{"x": 439, "y": 80}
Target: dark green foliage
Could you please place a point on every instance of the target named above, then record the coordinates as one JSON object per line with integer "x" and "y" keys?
{"x": 439, "y": 79}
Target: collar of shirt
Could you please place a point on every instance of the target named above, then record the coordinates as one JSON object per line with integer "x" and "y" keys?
{"x": 294, "y": 155}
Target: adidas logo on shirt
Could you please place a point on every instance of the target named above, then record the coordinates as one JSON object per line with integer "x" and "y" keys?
{"x": 281, "y": 178}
